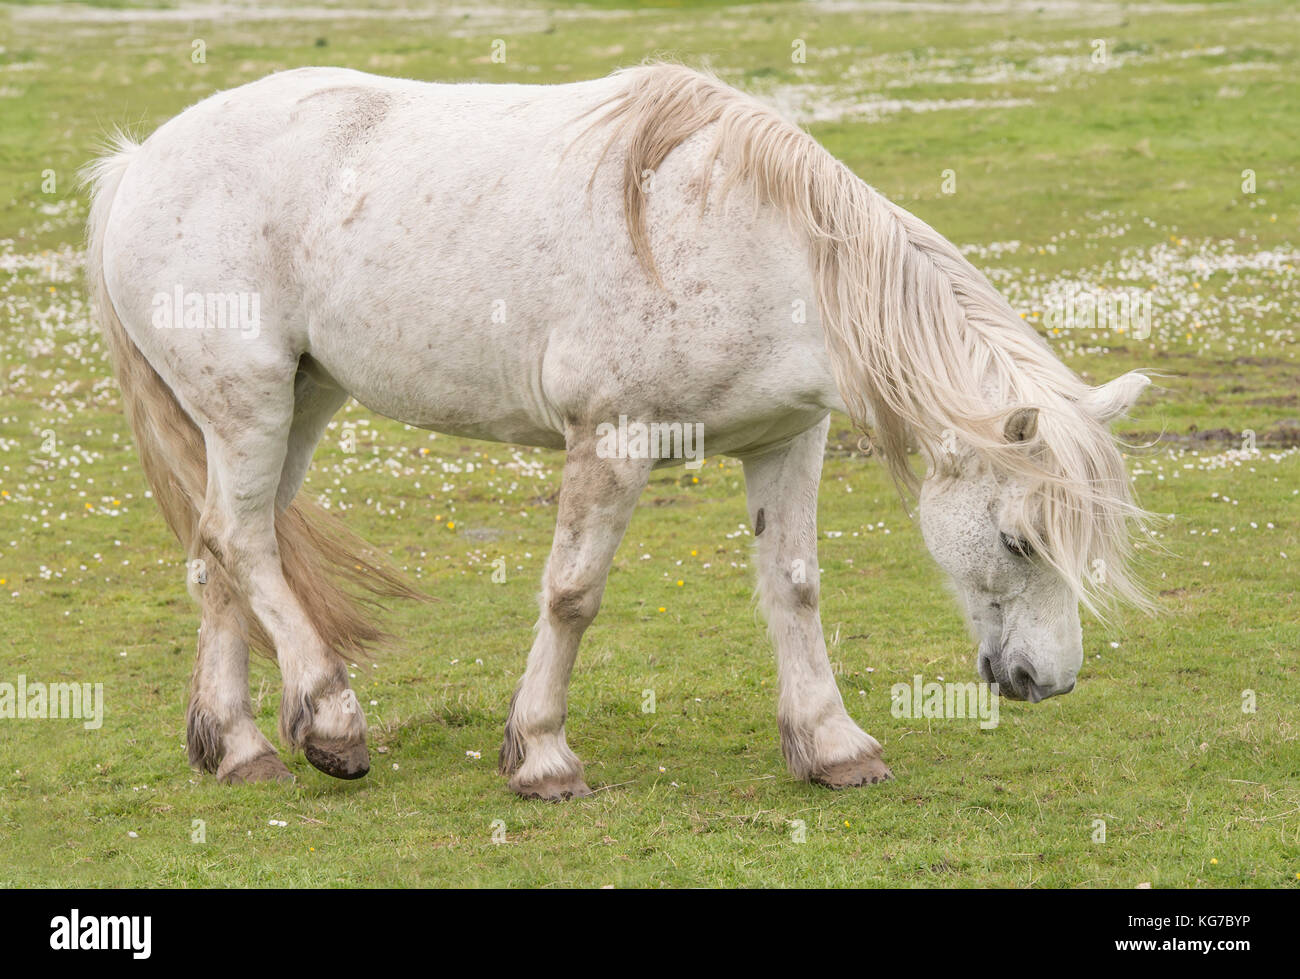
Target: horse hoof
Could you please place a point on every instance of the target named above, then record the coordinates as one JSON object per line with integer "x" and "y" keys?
{"x": 338, "y": 757}
{"x": 863, "y": 770}
{"x": 266, "y": 767}
{"x": 553, "y": 788}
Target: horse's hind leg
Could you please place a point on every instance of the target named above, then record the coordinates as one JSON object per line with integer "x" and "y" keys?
{"x": 597, "y": 497}
{"x": 251, "y": 460}
{"x": 820, "y": 741}
{"x": 220, "y": 731}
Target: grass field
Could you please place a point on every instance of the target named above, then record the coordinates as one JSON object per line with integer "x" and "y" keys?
{"x": 1122, "y": 164}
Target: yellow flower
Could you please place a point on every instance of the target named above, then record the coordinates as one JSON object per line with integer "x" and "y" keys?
{"x": 451, "y": 525}
{"x": 662, "y": 609}
{"x": 680, "y": 582}
{"x": 1214, "y": 860}
{"x": 693, "y": 553}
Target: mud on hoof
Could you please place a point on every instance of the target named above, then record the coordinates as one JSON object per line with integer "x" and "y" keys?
{"x": 551, "y": 788}
{"x": 340, "y": 757}
{"x": 266, "y": 767}
{"x": 862, "y": 770}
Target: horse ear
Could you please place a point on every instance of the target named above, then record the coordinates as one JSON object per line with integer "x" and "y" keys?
{"x": 1115, "y": 398}
{"x": 1022, "y": 425}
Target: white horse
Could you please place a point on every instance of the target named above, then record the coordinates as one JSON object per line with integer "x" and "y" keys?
{"x": 533, "y": 264}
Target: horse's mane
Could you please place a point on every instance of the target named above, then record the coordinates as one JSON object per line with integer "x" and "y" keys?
{"x": 922, "y": 347}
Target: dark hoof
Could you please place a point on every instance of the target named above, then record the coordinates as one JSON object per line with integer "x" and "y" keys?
{"x": 553, "y": 788}
{"x": 863, "y": 770}
{"x": 264, "y": 768}
{"x": 339, "y": 757}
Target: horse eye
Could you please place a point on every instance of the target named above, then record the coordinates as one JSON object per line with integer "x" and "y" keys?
{"x": 1016, "y": 545}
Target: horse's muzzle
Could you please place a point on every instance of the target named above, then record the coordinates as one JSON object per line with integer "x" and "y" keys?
{"x": 1016, "y": 677}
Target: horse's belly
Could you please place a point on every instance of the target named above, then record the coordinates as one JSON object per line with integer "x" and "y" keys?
{"x": 432, "y": 378}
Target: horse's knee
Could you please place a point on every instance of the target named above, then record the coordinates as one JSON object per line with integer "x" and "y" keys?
{"x": 572, "y": 605}
{"x": 790, "y": 591}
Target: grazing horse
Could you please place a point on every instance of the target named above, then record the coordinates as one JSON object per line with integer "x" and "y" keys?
{"x": 536, "y": 264}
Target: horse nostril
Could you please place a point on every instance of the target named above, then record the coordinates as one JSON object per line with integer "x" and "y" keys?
{"x": 1022, "y": 681}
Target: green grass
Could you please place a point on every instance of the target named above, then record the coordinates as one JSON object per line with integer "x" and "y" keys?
{"x": 1126, "y": 175}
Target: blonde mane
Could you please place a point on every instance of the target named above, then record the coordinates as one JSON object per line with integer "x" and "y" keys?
{"x": 922, "y": 347}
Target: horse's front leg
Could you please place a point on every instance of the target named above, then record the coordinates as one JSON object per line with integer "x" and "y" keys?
{"x": 597, "y": 497}
{"x": 820, "y": 741}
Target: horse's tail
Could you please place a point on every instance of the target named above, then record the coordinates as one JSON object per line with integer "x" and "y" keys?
{"x": 170, "y": 444}
{"x": 319, "y": 556}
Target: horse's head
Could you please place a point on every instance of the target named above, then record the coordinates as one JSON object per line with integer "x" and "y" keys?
{"x": 1030, "y": 528}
